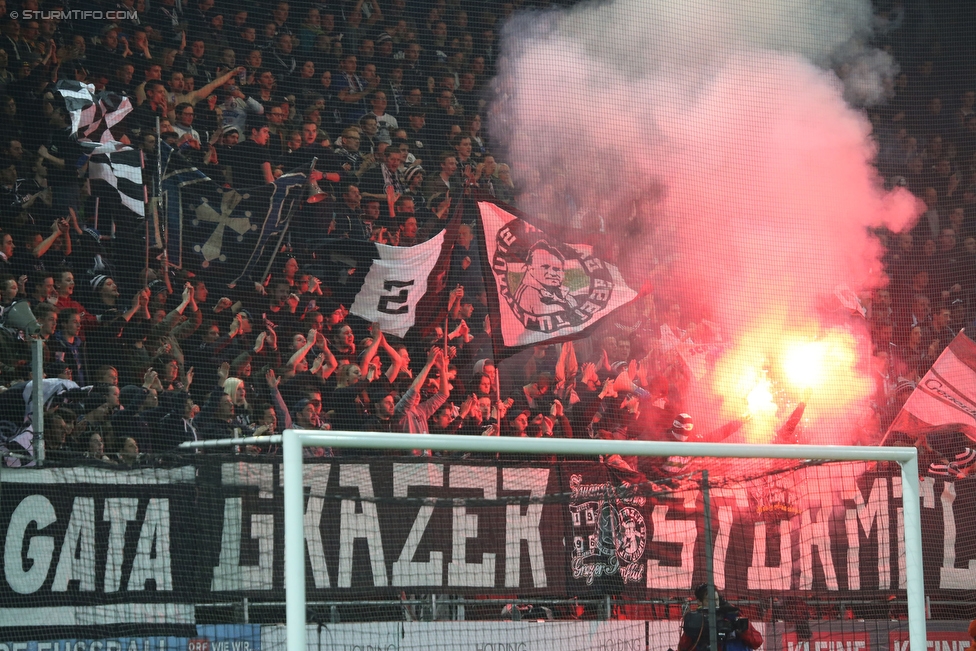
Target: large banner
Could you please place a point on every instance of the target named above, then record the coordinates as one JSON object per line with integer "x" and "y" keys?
{"x": 102, "y": 547}
{"x": 621, "y": 635}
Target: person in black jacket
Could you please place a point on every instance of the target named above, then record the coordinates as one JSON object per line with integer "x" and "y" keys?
{"x": 215, "y": 420}
{"x": 173, "y": 424}
{"x": 130, "y": 421}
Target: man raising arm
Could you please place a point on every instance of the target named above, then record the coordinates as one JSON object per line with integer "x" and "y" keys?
{"x": 414, "y": 414}
{"x": 195, "y": 96}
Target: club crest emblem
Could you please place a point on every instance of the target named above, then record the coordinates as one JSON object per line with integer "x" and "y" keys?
{"x": 631, "y": 537}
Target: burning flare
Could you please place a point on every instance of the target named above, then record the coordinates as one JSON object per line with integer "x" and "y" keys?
{"x": 760, "y": 399}
{"x": 773, "y": 370}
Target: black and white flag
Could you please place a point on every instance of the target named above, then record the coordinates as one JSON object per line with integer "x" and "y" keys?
{"x": 178, "y": 174}
{"x": 541, "y": 288}
{"x": 121, "y": 169}
{"x": 79, "y": 99}
{"x": 93, "y": 115}
{"x": 395, "y": 283}
{"x": 225, "y": 236}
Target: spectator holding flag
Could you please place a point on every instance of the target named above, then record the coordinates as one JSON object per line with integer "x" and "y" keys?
{"x": 62, "y": 153}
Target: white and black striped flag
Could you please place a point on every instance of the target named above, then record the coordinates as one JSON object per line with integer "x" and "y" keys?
{"x": 93, "y": 115}
{"x": 122, "y": 169}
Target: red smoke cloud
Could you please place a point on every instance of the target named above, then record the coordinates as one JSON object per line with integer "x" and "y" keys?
{"x": 733, "y": 172}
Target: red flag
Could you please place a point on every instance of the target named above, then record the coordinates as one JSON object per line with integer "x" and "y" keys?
{"x": 939, "y": 416}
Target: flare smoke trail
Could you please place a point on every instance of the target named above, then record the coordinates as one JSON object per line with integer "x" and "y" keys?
{"x": 713, "y": 141}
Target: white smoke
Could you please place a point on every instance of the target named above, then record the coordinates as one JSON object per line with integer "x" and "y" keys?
{"x": 714, "y": 140}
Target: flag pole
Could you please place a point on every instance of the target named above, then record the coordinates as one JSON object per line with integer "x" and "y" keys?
{"x": 158, "y": 192}
{"x": 150, "y": 204}
{"x": 284, "y": 231}
{"x": 390, "y": 201}
{"x": 97, "y": 200}
{"x": 498, "y": 384}
{"x": 159, "y": 159}
{"x": 145, "y": 204}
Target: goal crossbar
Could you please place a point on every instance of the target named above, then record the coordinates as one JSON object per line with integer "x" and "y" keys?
{"x": 294, "y": 440}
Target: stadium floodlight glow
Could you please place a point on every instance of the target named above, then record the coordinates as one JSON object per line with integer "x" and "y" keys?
{"x": 294, "y": 440}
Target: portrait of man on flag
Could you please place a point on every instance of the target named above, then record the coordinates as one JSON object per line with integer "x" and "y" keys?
{"x": 545, "y": 289}
{"x": 541, "y": 290}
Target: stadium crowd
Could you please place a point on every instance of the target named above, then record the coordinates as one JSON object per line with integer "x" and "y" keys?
{"x": 389, "y": 96}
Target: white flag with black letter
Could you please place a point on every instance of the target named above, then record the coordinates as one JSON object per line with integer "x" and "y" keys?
{"x": 396, "y": 281}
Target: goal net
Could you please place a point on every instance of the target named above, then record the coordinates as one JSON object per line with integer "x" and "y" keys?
{"x": 484, "y": 547}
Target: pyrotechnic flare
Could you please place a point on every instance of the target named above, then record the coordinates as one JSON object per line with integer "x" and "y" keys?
{"x": 736, "y": 175}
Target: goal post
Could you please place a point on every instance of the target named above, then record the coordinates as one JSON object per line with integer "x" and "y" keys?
{"x": 293, "y": 442}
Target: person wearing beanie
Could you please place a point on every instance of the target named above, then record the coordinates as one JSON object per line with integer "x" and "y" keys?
{"x": 106, "y": 295}
{"x": 413, "y": 178}
{"x": 132, "y": 397}
{"x": 665, "y": 467}
{"x": 159, "y": 293}
{"x": 484, "y": 366}
{"x": 681, "y": 427}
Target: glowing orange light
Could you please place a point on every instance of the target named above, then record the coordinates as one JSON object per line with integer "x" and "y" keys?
{"x": 760, "y": 399}
{"x": 773, "y": 367}
{"x": 803, "y": 364}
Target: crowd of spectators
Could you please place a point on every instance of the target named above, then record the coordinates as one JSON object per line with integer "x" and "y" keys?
{"x": 926, "y": 139}
{"x": 389, "y": 97}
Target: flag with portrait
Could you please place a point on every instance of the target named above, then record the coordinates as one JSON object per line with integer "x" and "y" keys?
{"x": 541, "y": 288}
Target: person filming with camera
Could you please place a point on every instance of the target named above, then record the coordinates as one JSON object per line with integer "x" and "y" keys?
{"x": 734, "y": 632}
